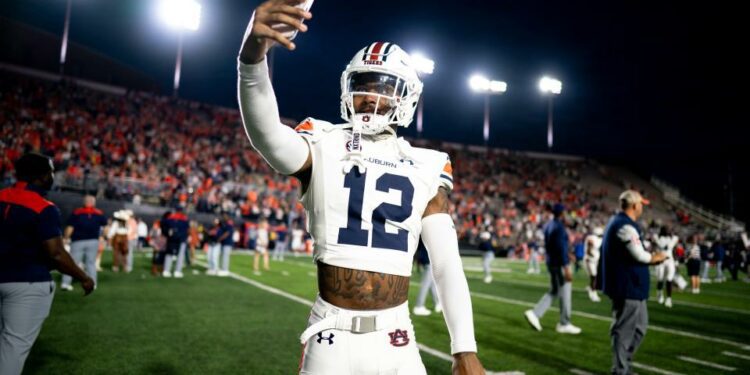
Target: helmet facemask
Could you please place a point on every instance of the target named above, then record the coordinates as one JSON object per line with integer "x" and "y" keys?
{"x": 381, "y": 95}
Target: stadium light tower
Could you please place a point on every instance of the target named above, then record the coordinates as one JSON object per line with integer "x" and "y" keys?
{"x": 424, "y": 66}
{"x": 64, "y": 46}
{"x": 487, "y": 87}
{"x": 181, "y": 15}
{"x": 550, "y": 87}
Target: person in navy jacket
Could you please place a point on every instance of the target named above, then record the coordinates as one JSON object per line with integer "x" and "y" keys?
{"x": 625, "y": 279}
{"x": 31, "y": 244}
{"x": 225, "y": 237}
{"x": 556, "y": 244}
{"x": 175, "y": 228}
{"x": 84, "y": 231}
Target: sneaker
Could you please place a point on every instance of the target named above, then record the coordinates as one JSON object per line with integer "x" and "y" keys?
{"x": 211, "y": 272}
{"x": 661, "y": 299}
{"x": 166, "y": 274}
{"x": 256, "y": 273}
{"x": 178, "y": 275}
{"x": 66, "y": 288}
{"x": 532, "y": 319}
{"x": 594, "y": 297}
{"x": 438, "y": 308}
{"x": 222, "y": 273}
{"x": 530, "y": 271}
{"x": 488, "y": 279}
{"x": 668, "y": 302}
{"x": 706, "y": 281}
{"x": 567, "y": 328}
{"x": 421, "y": 311}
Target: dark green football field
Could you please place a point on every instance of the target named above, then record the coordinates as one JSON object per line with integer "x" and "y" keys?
{"x": 140, "y": 324}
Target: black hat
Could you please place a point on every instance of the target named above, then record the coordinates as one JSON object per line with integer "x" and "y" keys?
{"x": 32, "y": 165}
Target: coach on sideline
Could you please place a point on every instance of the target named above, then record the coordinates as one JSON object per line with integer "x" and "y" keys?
{"x": 30, "y": 243}
{"x": 84, "y": 230}
{"x": 625, "y": 279}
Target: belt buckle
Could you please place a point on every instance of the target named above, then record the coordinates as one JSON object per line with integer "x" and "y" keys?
{"x": 363, "y": 324}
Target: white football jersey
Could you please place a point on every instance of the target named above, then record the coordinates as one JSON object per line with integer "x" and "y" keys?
{"x": 592, "y": 245}
{"x": 369, "y": 221}
{"x": 667, "y": 244}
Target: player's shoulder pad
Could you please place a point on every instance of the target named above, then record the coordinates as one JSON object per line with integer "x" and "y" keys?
{"x": 314, "y": 129}
{"x": 439, "y": 161}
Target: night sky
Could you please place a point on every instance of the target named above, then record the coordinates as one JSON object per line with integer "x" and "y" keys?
{"x": 651, "y": 85}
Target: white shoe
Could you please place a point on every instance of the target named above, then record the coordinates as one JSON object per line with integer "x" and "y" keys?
{"x": 661, "y": 298}
{"x": 166, "y": 274}
{"x": 223, "y": 273}
{"x": 256, "y": 273}
{"x": 594, "y": 297}
{"x": 488, "y": 279}
{"x": 66, "y": 288}
{"x": 568, "y": 328}
{"x": 532, "y": 319}
{"x": 211, "y": 272}
{"x": 421, "y": 311}
{"x": 178, "y": 275}
{"x": 668, "y": 302}
{"x": 438, "y": 308}
{"x": 530, "y": 271}
{"x": 706, "y": 281}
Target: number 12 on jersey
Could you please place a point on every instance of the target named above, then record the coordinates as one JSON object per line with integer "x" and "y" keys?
{"x": 353, "y": 234}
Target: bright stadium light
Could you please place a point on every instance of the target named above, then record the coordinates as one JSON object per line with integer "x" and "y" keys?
{"x": 425, "y": 66}
{"x": 551, "y": 87}
{"x": 422, "y": 64}
{"x": 479, "y": 83}
{"x": 498, "y": 86}
{"x": 484, "y": 85}
{"x": 180, "y": 14}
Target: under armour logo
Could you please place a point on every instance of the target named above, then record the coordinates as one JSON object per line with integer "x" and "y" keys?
{"x": 366, "y": 118}
{"x": 411, "y": 162}
{"x": 399, "y": 338}
{"x": 329, "y": 338}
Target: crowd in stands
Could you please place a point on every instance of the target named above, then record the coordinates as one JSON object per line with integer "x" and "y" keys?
{"x": 149, "y": 149}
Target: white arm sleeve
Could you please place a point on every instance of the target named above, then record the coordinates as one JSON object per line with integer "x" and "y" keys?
{"x": 280, "y": 145}
{"x": 629, "y": 235}
{"x": 441, "y": 242}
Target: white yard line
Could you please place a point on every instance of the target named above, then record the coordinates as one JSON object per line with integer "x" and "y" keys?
{"x": 582, "y": 290}
{"x": 580, "y": 372}
{"x": 608, "y": 319}
{"x": 654, "y": 369}
{"x": 705, "y": 363}
{"x": 736, "y": 355}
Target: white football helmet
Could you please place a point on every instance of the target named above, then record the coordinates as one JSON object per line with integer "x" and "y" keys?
{"x": 384, "y": 71}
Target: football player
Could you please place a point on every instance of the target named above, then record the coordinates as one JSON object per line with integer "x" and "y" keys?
{"x": 369, "y": 196}
{"x": 665, "y": 243}
{"x": 591, "y": 260}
